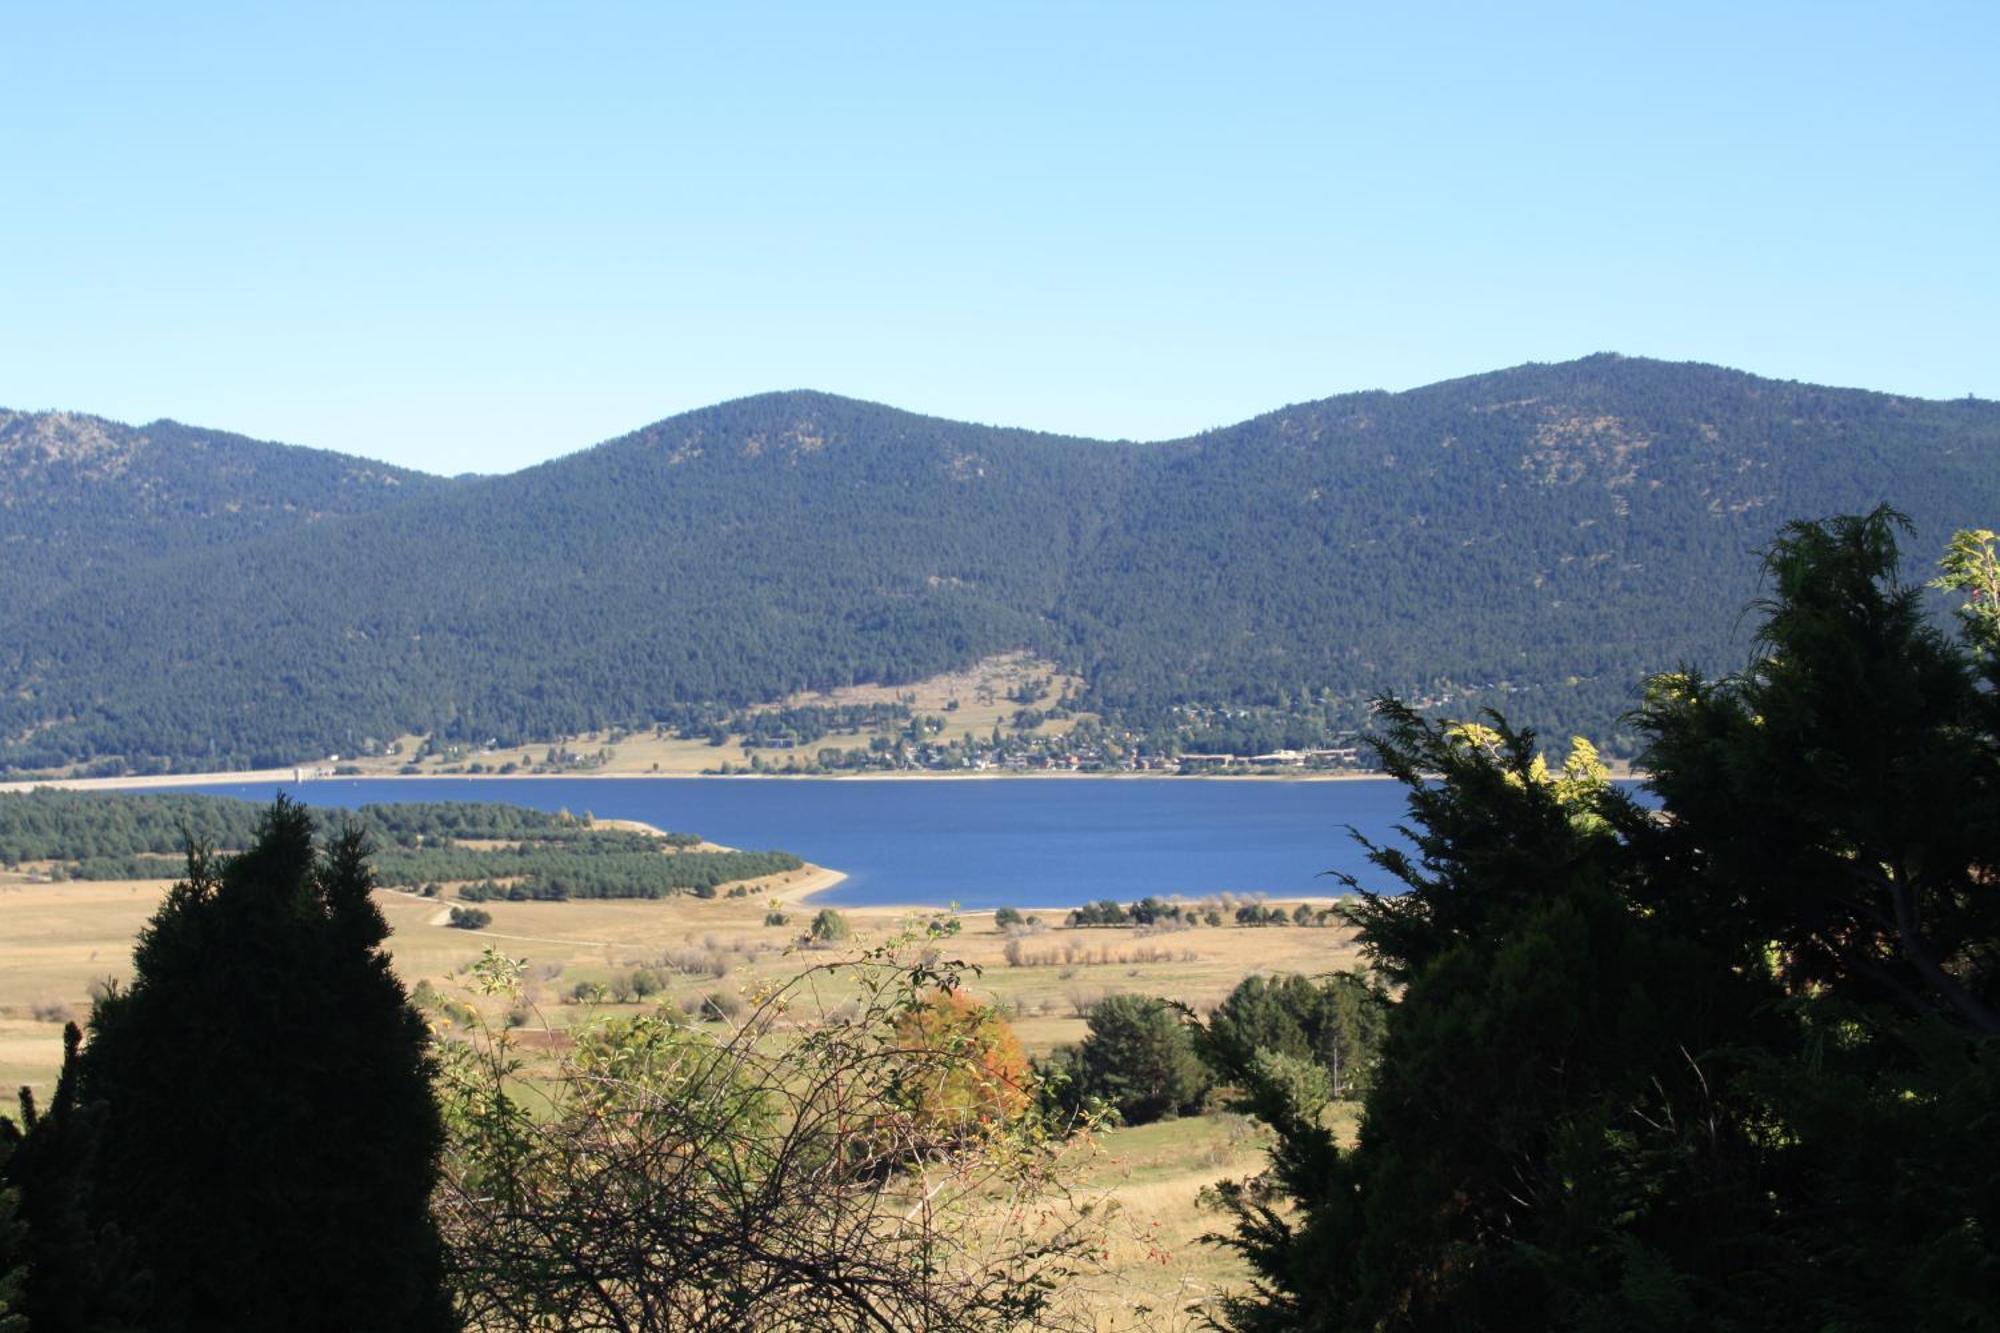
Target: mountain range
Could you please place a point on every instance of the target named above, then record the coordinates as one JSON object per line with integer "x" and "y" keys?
{"x": 1535, "y": 539}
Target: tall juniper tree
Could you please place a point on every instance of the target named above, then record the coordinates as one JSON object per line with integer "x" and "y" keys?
{"x": 1727, "y": 1063}
{"x": 265, "y": 1133}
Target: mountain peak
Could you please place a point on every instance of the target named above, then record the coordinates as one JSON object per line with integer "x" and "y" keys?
{"x": 27, "y": 438}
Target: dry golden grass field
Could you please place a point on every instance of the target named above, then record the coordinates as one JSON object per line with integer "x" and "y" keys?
{"x": 971, "y": 703}
{"x": 56, "y": 940}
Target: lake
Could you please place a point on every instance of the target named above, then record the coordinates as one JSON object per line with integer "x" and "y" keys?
{"x": 985, "y": 843}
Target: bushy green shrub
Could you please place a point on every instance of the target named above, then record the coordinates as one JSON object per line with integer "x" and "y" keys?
{"x": 1138, "y": 1059}
{"x": 721, "y": 1005}
{"x": 1336, "y": 1022}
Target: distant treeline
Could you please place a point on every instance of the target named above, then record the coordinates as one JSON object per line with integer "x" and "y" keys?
{"x": 50, "y": 825}
{"x": 1155, "y": 911}
{"x": 803, "y": 725}
{"x": 92, "y": 835}
{"x": 409, "y": 823}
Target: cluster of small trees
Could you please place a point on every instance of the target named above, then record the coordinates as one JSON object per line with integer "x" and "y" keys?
{"x": 1156, "y": 913}
{"x": 804, "y": 724}
{"x": 1144, "y": 1058}
{"x": 1303, "y": 914}
{"x": 1069, "y": 953}
{"x": 1147, "y": 911}
{"x": 1328, "y": 1029}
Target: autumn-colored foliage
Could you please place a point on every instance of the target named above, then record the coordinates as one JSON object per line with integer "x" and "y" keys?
{"x": 970, "y": 1068}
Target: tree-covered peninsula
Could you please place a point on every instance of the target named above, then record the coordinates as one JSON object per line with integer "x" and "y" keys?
{"x": 493, "y": 850}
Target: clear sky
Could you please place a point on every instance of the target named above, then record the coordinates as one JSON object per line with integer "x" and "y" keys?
{"x": 470, "y": 237}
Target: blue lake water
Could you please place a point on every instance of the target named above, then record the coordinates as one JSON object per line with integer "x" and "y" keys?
{"x": 981, "y": 844}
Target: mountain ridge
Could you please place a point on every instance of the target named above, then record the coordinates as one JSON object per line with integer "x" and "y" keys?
{"x": 78, "y": 490}
{"x": 1527, "y": 536}
{"x": 827, "y": 396}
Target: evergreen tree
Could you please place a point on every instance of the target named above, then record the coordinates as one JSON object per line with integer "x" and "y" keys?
{"x": 269, "y": 1137}
{"x": 1335, "y": 1022}
{"x": 1841, "y": 797}
{"x": 13, "y": 1244}
{"x": 830, "y": 927}
{"x": 1138, "y": 1059}
{"x": 1724, "y": 1064}
{"x": 1839, "y": 803}
{"x": 74, "y": 1268}
{"x": 1539, "y": 1022}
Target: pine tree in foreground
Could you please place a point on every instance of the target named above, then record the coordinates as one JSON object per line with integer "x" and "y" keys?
{"x": 1728, "y": 1063}
{"x": 263, "y": 1133}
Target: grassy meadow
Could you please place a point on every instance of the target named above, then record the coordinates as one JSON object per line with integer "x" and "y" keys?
{"x": 58, "y": 940}
{"x": 971, "y": 702}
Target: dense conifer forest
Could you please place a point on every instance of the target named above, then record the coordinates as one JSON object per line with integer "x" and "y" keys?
{"x": 79, "y": 495}
{"x": 493, "y": 850}
{"x": 1535, "y": 539}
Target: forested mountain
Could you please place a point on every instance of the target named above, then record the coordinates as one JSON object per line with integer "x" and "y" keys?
{"x": 1534, "y": 538}
{"x": 79, "y": 494}
{"x": 1540, "y": 537}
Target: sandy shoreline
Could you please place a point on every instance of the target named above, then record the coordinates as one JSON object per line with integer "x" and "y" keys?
{"x": 768, "y": 888}
{"x": 818, "y": 879}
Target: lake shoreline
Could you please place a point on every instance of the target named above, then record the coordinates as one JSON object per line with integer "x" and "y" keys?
{"x": 981, "y": 844}
{"x": 818, "y": 878}
{"x": 288, "y": 777}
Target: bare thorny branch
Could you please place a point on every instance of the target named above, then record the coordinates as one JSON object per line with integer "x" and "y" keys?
{"x": 775, "y": 1176}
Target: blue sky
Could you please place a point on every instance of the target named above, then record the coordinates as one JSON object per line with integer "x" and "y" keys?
{"x": 470, "y": 237}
